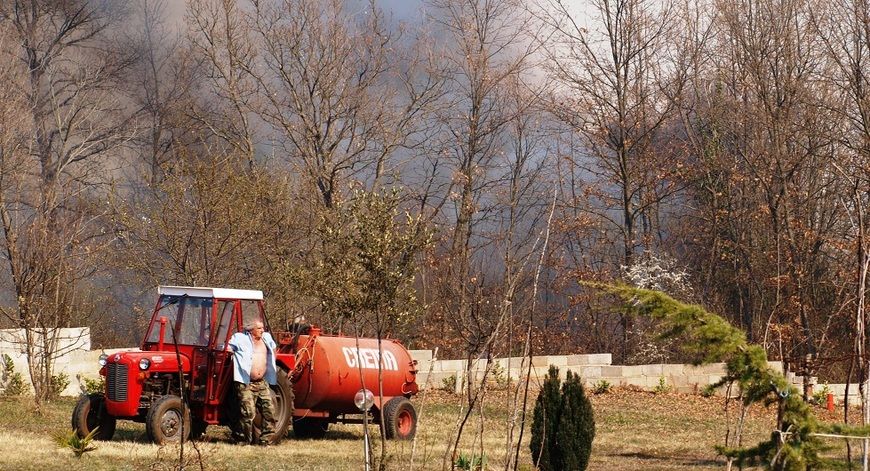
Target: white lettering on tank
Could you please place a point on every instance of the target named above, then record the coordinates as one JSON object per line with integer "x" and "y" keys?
{"x": 368, "y": 358}
{"x": 365, "y": 359}
{"x": 349, "y": 357}
{"x": 390, "y": 362}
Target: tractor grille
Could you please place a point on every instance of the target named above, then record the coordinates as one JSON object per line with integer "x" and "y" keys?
{"x": 116, "y": 381}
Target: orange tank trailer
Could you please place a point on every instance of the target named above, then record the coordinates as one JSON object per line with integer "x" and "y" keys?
{"x": 331, "y": 370}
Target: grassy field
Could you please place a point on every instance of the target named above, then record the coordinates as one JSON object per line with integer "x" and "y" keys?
{"x": 635, "y": 430}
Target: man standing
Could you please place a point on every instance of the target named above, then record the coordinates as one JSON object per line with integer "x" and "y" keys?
{"x": 255, "y": 369}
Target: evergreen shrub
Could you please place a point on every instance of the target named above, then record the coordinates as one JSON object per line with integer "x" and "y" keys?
{"x": 563, "y": 424}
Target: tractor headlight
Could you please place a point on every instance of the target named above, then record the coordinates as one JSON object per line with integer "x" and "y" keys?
{"x": 103, "y": 359}
{"x": 144, "y": 364}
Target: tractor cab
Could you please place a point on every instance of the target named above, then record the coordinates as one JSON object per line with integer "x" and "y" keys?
{"x": 199, "y": 322}
{"x": 201, "y": 317}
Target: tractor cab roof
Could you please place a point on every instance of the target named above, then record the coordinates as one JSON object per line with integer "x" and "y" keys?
{"x": 204, "y": 292}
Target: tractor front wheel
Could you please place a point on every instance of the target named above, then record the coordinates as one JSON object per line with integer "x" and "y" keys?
{"x": 90, "y": 414}
{"x": 165, "y": 422}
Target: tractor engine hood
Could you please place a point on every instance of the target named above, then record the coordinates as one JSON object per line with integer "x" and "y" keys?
{"x": 127, "y": 372}
{"x": 145, "y": 361}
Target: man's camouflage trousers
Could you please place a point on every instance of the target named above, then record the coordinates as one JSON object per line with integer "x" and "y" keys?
{"x": 253, "y": 397}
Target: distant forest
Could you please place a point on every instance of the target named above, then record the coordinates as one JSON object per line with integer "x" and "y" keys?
{"x": 449, "y": 180}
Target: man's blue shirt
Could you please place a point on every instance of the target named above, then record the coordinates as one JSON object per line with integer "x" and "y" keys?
{"x": 242, "y": 345}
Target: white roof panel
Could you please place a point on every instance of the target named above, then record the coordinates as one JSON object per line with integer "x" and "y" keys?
{"x": 204, "y": 292}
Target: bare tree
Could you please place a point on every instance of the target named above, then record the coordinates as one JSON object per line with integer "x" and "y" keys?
{"x": 843, "y": 28}
{"x": 214, "y": 221}
{"x": 487, "y": 48}
{"x": 219, "y": 37}
{"x": 51, "y": 257}
{"x": 616, "y": 84}
{"x": 66, "y": 74}
{"x": 520, "y": 237}
{"x": 338, "y": 91}
{"x": 615, "y": 88}
{"x": 772, "y": 137}
{"x": 162, "y": 87}
{"x": 70, "y": 81}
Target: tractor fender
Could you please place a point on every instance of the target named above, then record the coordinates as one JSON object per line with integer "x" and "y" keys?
{"x": 287, "y": 361}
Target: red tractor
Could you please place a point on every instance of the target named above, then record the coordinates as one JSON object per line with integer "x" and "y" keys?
{"x": 179, "y": 382}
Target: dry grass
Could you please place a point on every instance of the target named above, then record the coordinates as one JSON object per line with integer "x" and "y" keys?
{"x": 635, "y": 430}
{"x": 642, "y": 430}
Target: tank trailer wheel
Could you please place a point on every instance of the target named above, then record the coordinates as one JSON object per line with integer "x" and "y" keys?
{"x": 164, "y": 421}
{"x": 282, "y": 404}
{"x": 400, "y": 419}
{"x": 90, "y": 413}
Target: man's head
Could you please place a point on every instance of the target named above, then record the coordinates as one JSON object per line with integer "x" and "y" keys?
{"x": 256, "y": 329}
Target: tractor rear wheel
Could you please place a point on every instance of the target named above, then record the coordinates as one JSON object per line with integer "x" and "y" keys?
{"x": 400, "y": 419}
{"x": 165, "y": 421}
{"x": 282, "y": 405}
{"x": 90, "y": 414}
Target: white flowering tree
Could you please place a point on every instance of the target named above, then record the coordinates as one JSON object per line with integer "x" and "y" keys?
{"x": 658, "y": 272}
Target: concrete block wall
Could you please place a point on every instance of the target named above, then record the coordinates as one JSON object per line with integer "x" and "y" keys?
{"x": 74, "y": 345}
{"x": 593, "y": 368}
{"x": 69, "y": 339}
{"x": 434, "y": 373}
{"x": 838, "y": 390}
{"x": 79, "y": 362}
